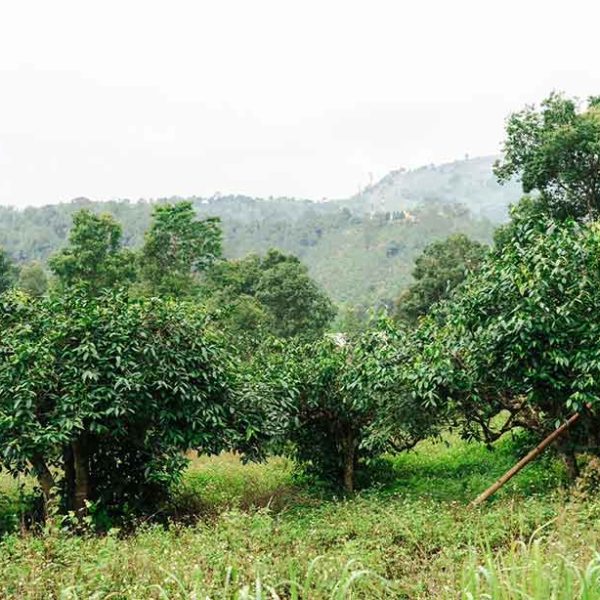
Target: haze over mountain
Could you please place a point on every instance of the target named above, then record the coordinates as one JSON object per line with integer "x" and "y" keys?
{"x": 361, "y": 249}
{"x": 469, "y": 182}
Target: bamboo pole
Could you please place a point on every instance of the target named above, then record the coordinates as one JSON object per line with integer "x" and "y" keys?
{"x": 526, "y": 460}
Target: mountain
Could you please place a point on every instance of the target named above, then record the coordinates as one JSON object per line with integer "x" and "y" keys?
{"x": 470, "y": 182}
{"x": 361, "y": 250}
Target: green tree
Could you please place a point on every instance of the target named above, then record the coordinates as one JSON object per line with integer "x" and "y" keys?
{"x": 33, "y": 279}
{"x": 103, "y": 395}
{"x": 521, "y": 337}
{"x": 177, "y": 247}
{"x": 555, "y": 149}
{"x": 273, "y": 294}
{"x": 296, "y": 304}
{"x": 441, "y": 267}
{"x": 8, "y": 271}
{"x": 94, "y": 256}
{"x": 340, "y": 401}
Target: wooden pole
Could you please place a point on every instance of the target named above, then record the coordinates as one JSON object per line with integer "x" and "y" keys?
{"x": 526, "y": 460}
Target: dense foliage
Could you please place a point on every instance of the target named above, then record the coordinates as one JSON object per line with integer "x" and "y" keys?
{"x": 33, "y": 279}
{"x": 522, "y": 336}
{"x": 102, "y": 395}
{"x": 94, "y": 256}
{"x": 270, "y": 295}
{"x": 7, "y": 271}
{"x": 438, "y": 270}
{"x": 555, "y": 149}
{"x": 342, "y": 400}
{"x": 177, "y": 245}
{"x": 118, "y": 368}
{"x": 360, "y": 250}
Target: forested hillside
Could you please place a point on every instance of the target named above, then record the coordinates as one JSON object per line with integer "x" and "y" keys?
{"x": 361, "y": 250}
{"x": 469, "y": 182}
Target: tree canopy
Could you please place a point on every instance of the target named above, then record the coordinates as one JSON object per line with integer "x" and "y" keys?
{"x": 438, "y": 270}
{"x": 33, "y": 279}
{"x": 8, "y": 271}
{"x": 555, "y": 149}
{"x": 94, "y": 256}
{"x": 102, "y": 395}
{"x": 522, "y": 335}
{"x": 111, "y": 376}
{"x": 272, "y": 295}
{"x": 177, "y": 246}
{"x": 341, "y": 400}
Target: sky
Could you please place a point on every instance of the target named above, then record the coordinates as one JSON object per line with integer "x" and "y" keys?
{"x": 312, "y": 99}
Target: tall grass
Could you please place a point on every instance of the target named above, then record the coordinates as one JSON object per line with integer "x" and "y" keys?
{"x": 319, "y": 581}
{"x": 256, "y": 534}
{"x": 535, "y": 571}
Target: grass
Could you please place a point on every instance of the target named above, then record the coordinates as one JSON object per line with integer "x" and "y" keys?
{"x": 262, "y": 535}
{"x": 454, "y": 470}
{"x": 214, "y": 484}
{"x": 534, "y": 570}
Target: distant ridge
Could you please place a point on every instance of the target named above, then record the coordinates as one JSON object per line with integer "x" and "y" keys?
{"x": 361, "y": 250}
{"x": 470, "y": 182}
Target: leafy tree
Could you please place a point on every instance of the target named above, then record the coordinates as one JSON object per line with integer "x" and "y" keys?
{"x": 229, "y": 292}
{"x": 522, "y": 335}
{"x": 94, "y": 256}
{"x": 530, "y": 213}
{"x": 103, "y": 395}
{"x": 273, "y": 294}
{"x": 555, "y": 149}
{"x": 340, "y": 401}
{"x": 296, "y": 304}
{"x": 177, "y": 246}
{"x": 33, "y": 279}
{"x": 8, "y": 271}
{"x": 441, "y": 267}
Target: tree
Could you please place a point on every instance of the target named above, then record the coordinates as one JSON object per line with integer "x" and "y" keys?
{"x": 101, "y": 396}
{"x": 228, "y": 290}
{"x": 522, "y": 336}
{"x": 275, "y": 293}
{"x": 340, "y": 401}
{"x": 441, "y": 267}
{"x": 94, "y": 256}
{"x": 8, "y": 271}
{"x": 176, "y": 247}
{"x": 33, "y": 279}
{"x": 529, "y": 213}
{"x": 296, "y": 304}
{"x": 555, "y": 149}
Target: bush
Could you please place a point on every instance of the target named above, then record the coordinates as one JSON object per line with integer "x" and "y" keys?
{"x": 102, "y": 396}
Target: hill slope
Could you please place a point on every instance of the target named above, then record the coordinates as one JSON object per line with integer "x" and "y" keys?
{"x": 360, "y": 249}
{"x": 470, "y": 182}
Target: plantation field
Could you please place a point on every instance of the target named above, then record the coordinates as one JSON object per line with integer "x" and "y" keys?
{"x": 261, "y": 532}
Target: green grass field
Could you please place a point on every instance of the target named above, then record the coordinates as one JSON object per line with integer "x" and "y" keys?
{"x": 261, "y": 532}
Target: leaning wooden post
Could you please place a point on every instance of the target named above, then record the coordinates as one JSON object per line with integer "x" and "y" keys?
{"x": 526, "y": 460}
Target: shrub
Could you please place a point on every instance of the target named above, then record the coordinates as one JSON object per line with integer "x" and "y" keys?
{"x": 101, "y": 396}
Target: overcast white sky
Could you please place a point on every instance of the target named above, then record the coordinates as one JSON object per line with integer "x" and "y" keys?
{"x": 115, "y": 99}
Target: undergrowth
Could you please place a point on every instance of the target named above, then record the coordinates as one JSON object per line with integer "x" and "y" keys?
{"x": 258, "y": 533}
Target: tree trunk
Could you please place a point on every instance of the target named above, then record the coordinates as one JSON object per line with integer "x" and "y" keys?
{"x": 82, "y": 489}
{"x": 69, "y": 484}
{"x": 43, "y": 474}
{"x": 349, "y": 462}
{"x": 526, "y": 460}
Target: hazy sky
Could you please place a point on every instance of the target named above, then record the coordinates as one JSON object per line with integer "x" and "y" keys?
{"x": 114, "y": 99}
